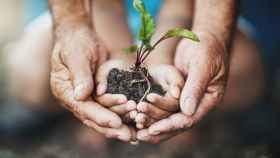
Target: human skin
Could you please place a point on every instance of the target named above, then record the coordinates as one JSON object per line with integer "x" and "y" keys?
{"x": 118, "y": 38}
{"x": 173, "y": 14}
{"x": 75, "y": 56}
{"x": 36, "y": 42}
{"x": 205, "y": 64}
{"x": 115, "y": 38}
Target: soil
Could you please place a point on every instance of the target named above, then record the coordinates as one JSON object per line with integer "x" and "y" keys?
{"x": 133, "y": 84}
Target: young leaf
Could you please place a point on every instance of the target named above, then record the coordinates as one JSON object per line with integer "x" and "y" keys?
{"x": 147, "y": 29}
{"x": 147, "y": 23}
{"x": 131, "y": 49}
{"x": 183, "y": 33}
{"x": 139, "y": 6}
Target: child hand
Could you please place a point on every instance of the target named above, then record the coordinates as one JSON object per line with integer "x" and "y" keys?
{"x": 117, "y": 103}
{"x": 159, "y": 107}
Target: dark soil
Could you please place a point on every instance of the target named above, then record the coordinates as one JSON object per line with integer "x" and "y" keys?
{"x": 132, "y": 84}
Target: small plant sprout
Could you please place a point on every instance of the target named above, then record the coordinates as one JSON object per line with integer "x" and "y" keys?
{"x": 147, "y": 30}
{"x": 137, "y": 83}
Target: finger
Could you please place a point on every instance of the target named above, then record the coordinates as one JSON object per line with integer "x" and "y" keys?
{"x": 175, "y": 83}
{"x": 63, "y": 89}
{"x": 166, "y": 102}
{"x": 81, "y": 74}
{"x": 94, "y": 112}
{"x": 208, "y": 102}
{"x": 142, "y": 120}
{"x": 101, "y": 80}
{"x": 133, "y": 114}
{"x": 152, "y": 110}
{"x": 103, "y": 54}
{"x": 174, "y": 91}
{"x": 143, "y": 135}
{"x": 101, "y": 76}
{"x": 109, "y": 100}
{"x": 123, "y": 133}
{"x": 175, "y": 122}
{"x": 124, "y": 108}
{"x": 194, "y": 90}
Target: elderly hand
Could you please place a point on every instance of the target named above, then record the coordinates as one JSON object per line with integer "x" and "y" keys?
{"x": 205, "y": 65}
{"x": 74, "y": 59}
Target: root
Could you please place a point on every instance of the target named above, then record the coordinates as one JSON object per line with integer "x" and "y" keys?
{"x": 136, "y": 81}
{"x": 149, "y": 86}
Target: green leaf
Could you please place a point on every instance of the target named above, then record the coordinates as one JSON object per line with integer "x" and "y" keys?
{"x": 139, "y": 6}
{"x": 131, "y": 49}
{"x": 147, "y": 28}
{"x": 183, "y": 33}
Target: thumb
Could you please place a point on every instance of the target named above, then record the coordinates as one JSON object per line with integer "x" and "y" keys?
{"x": 94, "y": 112}
{"x": 101, "y": 78}
{"x": 193, "y": 90}
{"x": 81, "y": 73}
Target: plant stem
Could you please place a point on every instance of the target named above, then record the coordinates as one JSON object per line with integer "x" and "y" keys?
{"x": 142, "y": 59}
{"x": 138, "y": 57}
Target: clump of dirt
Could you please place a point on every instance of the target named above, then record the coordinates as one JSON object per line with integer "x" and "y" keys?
{"x": 133, "y": 84}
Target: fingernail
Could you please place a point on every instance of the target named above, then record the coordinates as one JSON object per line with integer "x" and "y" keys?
{"x": 101, "y": 89}
{"x": 189, "y": 106}
{"x": 79, "y": 92}
{"x": 131, "y": 105}
{"x": 139, "y": 125}
{"x": 133, "y": 114}
{"x": 142, "y": 107}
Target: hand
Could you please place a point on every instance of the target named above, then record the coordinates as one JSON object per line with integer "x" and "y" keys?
{"x": 159, "y": 107}
{"x": 75, "y": 56}
{"x": 117, "y": 103}
{"x": 206, "y": 66}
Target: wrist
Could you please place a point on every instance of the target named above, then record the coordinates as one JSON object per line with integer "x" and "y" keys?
{"x": 213, "y": 33}
{"x": 212, "y": 40}
{"x": 71, "y": 27}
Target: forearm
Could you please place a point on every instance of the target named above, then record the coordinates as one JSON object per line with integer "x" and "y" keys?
{"x": 216, "y": 17}
{"x": 111, "y": 26}
{"x": 69, "y": 14}
{"x": 174, "y": 13}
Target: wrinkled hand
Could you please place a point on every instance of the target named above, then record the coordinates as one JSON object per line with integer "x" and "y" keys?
{"x": 205, "y": 64}
{"x": 76, "y": 54}
{"x": 159, "y": 107}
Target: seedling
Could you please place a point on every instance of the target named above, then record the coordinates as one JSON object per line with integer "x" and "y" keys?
{"x": 147, "y": 31}
{"x": 137, "y": 83}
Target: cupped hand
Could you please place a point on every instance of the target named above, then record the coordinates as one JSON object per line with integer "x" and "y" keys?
{"x": 205, "y": 65}
{"x": 117, "y": 103}
{"x": 159, "y": 107}
{"x": 75, "y": 56}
